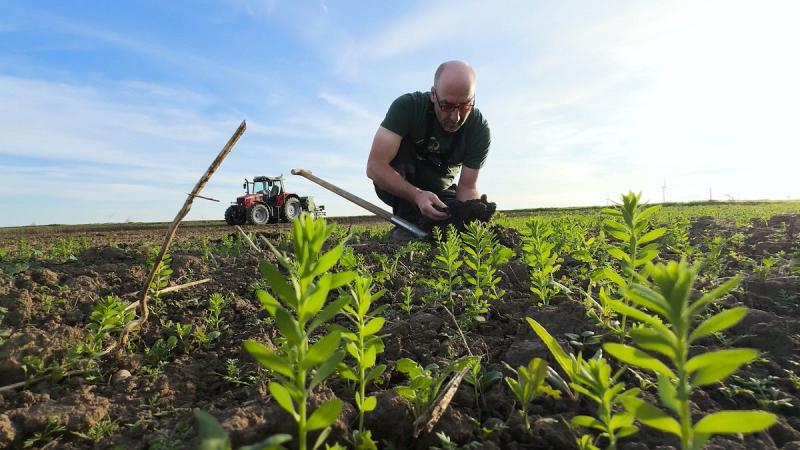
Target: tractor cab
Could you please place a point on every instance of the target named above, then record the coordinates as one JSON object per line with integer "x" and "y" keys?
{"x": 267, "y": 186}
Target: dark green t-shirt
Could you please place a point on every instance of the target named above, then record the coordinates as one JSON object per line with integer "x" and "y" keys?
{"x": 411, "y": 115}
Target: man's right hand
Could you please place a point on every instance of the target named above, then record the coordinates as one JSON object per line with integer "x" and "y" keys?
{"x": 430, "y": 205}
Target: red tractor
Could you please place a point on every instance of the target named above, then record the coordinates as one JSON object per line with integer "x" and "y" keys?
{"x": 266, "y": 201}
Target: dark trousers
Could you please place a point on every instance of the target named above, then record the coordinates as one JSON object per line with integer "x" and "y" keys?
{"x": 406, "y": 163}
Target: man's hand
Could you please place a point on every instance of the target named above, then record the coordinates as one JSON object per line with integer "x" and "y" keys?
{"x": 430, "y": 205}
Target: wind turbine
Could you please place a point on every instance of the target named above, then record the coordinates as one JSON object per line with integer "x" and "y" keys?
{"x": 664, "y": 192}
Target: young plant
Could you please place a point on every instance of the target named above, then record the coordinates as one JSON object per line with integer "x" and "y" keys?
{"x": 216, "y": 302}
{"x": 541, "y": 259}
{"x": 51, "y": 428}
{"x": 481, "y": 380}
{"x": 424, "y": 383}
{"x": 667, "y": 314}
{"x": 529, "y": 384}
{"x": 630, "y": 226}
{"x": 407, "y": 303}
{"x": 300, "y": 308}
{"x": 594, "y": 380}
{"x": 448, "y": 260}
{"x": 483, "y": 256}
{"x": 363, "y": 345}
{"x": 161, "y": 279}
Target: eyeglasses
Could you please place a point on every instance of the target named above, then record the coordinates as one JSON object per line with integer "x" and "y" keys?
{"x": 449, "y": 107}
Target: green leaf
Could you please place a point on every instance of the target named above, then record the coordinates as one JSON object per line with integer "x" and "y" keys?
{"x": 278, "y": 283}
{"x": 268, "y": 302}
{"x": 373, "y": 326}
{"x": 267, "y": 358}
{"x": 588, "y": 422}
{"x": 369, "y": 403}
{"x": 321, "y": 350}
{"x": 325, "y": 415}
{"x": 642, "y": 317}
{"x": 328, "y": 260}
{"x": 731, "y": 422}
{"x": 651, "y": 416}
{"x": 558, "y": 353}
{"x": 212, "y": 436}
{"x": 715, "y": 294}
{"x": 315, "y": 299}
{"x": 650, "y": 339}
{"x": 342, "y": 278}
{"x": 370, "y": 355}
{"x": 408, "y": 367}
{"x": 327, "y": 313}
{"x": 631, "y": 355}
{"x": 648, "y": 298}
{"x": 719, "y": 322}
{"x": 618, "y": 254}
{"x": 288, "y": 326}
{"x": 620, "y": 421}
{"x": 284, "y": 398}
{"x": 375, "y": 372}
{"x": 667, "y": 393}
{"x": 327, "y": 368}
{"x": 736, "y": 356}
{"x": 651, "y": 235}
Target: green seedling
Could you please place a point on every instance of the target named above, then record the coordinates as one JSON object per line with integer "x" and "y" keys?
{"x": 763, "y": 391}
{"x": 424, "y": 383}
{"x": 363, "y": 345}
{"x": 161, "y": 278}
{"x": 300, "y": 308}
{"x": 448, "y": 261}
{"x": 594, "y": 379}
{"x": 714, "y": 263}
{"x": 51, "y": 428}
{"x": 216, "y": 302}
{"x": 530, "y": 382}
{"x": 637, "y": 244}
{"x": 481, "y": 380}
{"x": 99, "y": 430}
{"x": 668, "y": 315}
{"x": 541, "y": 259}
{"x": 183, "y": 331}
{"x": 157, "y": 355}
{"x": 33, "y": 366}
{"x": 214, "y": 437}
{"x": 483, "y": 256}
{"x": 583, "y": 340}
{"x": 406, "y": 305}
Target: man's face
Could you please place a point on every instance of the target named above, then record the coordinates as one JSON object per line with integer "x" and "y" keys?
{"x": 452, "y": 107}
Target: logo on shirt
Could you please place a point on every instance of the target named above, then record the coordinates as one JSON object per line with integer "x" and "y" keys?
{"x": 433, "y": 145}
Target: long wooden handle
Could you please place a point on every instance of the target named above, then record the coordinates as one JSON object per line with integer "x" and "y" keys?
{"x": 380, "y": 212}
{"x": 305, "y": 173}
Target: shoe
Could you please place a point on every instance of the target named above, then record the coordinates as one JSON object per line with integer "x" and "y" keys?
{"x": 400, "y": 235}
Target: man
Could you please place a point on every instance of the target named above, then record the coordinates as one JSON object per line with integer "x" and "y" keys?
{"x": 424, "y": 140}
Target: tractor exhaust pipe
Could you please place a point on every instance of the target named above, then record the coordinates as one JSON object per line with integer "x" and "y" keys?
{"x": 380, "y": 212}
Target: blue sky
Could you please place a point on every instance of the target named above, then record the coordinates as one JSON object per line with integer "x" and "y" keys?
{"x": 110, "y": 111}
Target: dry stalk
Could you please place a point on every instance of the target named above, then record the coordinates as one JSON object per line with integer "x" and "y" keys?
{"x": 187, "y": 205}
{"x": 427, "y": 421}
{"x": 250, "y": 241}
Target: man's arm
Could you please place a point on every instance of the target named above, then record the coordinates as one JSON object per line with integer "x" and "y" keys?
{"x": 467, "y": 188}
{"x": 385, "y": 146}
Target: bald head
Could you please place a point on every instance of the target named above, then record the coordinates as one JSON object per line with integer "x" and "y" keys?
{"x": 456, "y": 78}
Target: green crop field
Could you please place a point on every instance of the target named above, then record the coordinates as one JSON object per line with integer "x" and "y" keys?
{"x": 627, "y": 327}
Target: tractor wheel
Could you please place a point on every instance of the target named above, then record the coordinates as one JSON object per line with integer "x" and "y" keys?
{"x": 292, "y": 209}
{"x": 258, "y": 215}
{"x": 235, "y": 215}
